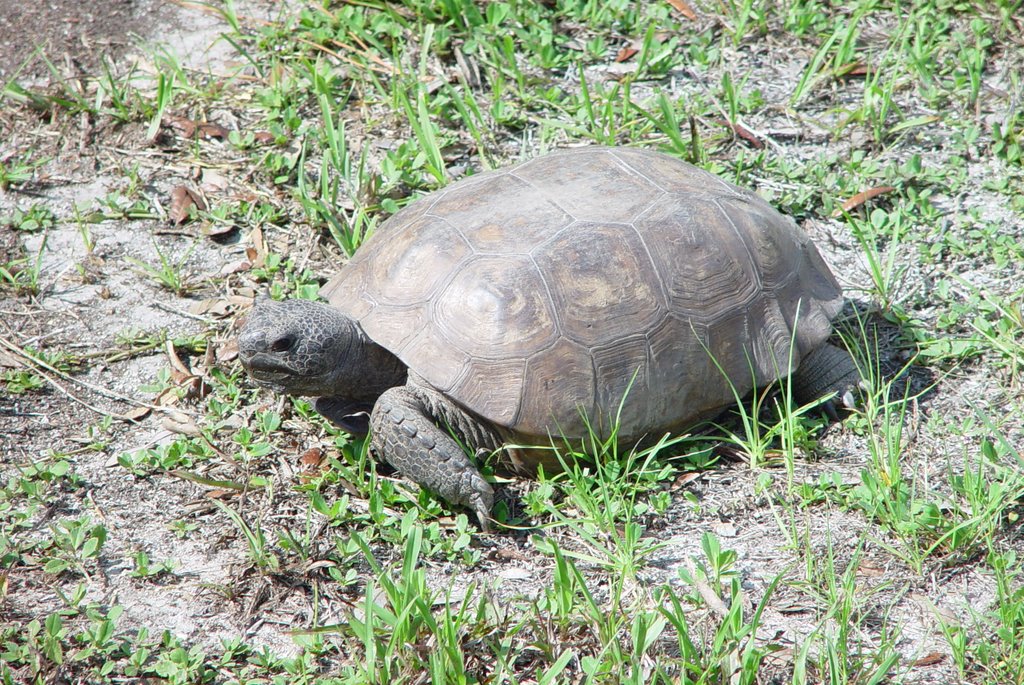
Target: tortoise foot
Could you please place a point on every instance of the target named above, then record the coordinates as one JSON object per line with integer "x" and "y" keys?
{"x": 407, "y": 437}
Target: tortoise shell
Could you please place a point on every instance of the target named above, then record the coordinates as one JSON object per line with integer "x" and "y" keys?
{"x": 588, "y": 285}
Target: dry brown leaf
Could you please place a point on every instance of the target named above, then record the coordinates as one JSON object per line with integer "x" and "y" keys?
{"x": 860, "y": 198}
{"x": 176, "y": 422}
{"x": 214, "y": 181}
{"x": 180, "y": 377}
{"x": 235, "y": 267}
{"x": 183, "y": 126}
{"x": 744, "y": 133}
{"x": 929, "y": 659}
{"x": 181, "y": 203}
{"x": 136, "y": 414}
{"x": 183, "y": 200}
{"x": 214, "y": 306}
{"x": 197, "y": 197}
{"x": 167, "y": 397}
{"x": 9, "y": 361}
{"x": 227, "y": 352}
{"x": 176, "y": 363}
{"x": 211, "y": 130}
{"x": 256, "y": 254}
{"x": 626, "y": 53}
{"x": 216, "y": 230}
{"x": 684, "y": 9}
{"x": 194, "y": 385}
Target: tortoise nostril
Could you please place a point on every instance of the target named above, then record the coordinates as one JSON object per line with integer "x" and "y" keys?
{"x": 282, "y": 344}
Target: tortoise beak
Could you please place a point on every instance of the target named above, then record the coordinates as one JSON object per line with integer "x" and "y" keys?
{"x": 266, "y": 369}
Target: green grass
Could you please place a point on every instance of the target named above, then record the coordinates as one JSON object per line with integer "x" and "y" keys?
{"x": 348, "y": 112}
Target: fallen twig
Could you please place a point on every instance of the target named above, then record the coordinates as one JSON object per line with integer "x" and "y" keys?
{"x": 44, "y": 370}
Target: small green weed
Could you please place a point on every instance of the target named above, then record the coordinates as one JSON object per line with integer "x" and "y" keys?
{"x": 732, "y": 649}
{"x": 260, "y": 553}
{"x": 168, "y": 274}
{"x": 995, "y": 655}
{"x": 73, "y": 545}
{"x": 22, "y": 275}
{"x": 14, "y": 171}
{"x": 144, "y": 568}
{"x": 36, "y": 218}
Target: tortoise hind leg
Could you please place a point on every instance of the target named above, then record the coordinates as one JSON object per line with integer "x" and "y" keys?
{"x": 404, "y": 433}
{"x": 827, "y": 371}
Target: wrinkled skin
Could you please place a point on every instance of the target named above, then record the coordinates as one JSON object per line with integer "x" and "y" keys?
{"x": 298, "y": 347}
{"x": 307, "y": 348}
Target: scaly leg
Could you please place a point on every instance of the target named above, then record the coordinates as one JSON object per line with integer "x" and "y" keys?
{"x": 405, "y": 433}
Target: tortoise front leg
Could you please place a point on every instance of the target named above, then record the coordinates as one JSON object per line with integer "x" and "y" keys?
{"x": 404, "y": 433}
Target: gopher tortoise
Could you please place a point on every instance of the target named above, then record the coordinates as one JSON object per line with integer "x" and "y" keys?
{"x": 562, "y": 295}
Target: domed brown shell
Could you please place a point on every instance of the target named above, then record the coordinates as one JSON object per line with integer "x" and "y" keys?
{"x": 545, "y": 292}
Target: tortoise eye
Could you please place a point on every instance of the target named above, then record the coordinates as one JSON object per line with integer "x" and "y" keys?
{"x": 282, "y": 344}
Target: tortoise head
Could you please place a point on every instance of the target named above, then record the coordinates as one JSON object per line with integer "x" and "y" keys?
{"x": 300, "y": 347}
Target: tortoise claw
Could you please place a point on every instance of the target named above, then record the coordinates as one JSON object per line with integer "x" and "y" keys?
{"x": 848, "y": 400}
{"x": 483, "y": 516}
{"x": 844, "y": 401}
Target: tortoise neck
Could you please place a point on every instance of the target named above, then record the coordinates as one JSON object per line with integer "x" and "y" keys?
{"x": 377, "y": 369}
